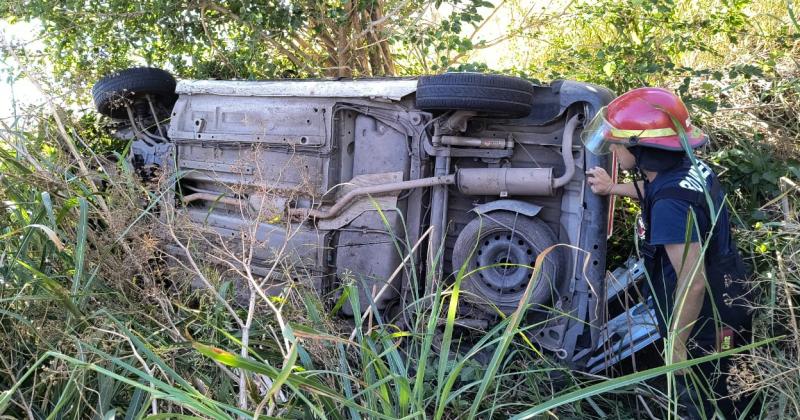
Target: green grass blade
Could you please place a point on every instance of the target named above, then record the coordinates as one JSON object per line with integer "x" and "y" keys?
{"x": 47, "y": 202}
{"x": 347, "y": 384}
{"x": 426, "y": 346}
{"x": 5, "y": 398}
{"x": 80, "y": 245}
{"x": 150, "y": 355}
{"x": 283, "y": 375}
{"x": 137, "y": 405}
{"x": 55, "y": 288}
{"x": 66, "y": 397}
{"x": 792, "y": 16}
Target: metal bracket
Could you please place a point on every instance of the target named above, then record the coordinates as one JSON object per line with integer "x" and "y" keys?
{"x": 456, "y": 123}
{"x": 517, "y": 206}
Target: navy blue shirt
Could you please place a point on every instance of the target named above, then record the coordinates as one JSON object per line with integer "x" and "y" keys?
{"x": 669, "y": 217}
{"x": 669, "y": 221}
{"x": 671, "y": 196}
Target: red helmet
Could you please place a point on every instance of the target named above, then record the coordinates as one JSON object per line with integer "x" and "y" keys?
{"x": 643, "y": 117}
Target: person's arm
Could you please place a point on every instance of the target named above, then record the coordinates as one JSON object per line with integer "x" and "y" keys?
{"x": 627, "y": 189}
{"x": 689, "y": 293}
{"x": 600, "y": 183}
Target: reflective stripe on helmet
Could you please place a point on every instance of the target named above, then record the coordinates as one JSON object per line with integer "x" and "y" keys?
{"x": 650, "y": 133}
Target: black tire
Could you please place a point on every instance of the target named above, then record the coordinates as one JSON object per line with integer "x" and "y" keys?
{"x": 113, "y": 91}
{"x": 490, "y": 94}
{"x": 505, "y": 236}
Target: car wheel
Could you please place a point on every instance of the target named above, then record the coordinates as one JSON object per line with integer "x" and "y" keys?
{"x": 114, "y": 91}
{"x": 488, "y": 242}
{"x": 490, "y": 94}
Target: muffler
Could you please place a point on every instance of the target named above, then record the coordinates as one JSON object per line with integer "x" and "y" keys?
{"x": 520, "y": 181}
{"x": 505, "y": 181}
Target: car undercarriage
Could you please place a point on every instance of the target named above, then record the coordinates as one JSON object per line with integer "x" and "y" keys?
{"x": 393, "y": 185}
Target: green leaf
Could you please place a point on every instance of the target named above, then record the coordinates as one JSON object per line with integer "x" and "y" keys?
{"x": 609, "y": 68}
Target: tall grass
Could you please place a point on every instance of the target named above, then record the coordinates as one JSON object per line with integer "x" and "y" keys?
{"x": 88, "y": 331}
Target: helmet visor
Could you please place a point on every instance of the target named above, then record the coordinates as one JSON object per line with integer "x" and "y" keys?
{"x": 596, "y": 136}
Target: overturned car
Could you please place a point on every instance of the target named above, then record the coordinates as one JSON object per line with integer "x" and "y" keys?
{"x": 392, "y": 184}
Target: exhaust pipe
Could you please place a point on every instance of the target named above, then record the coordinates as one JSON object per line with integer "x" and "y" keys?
{"x": 566, "y": 153}
{"x": 370, "y": 190}
{"x": 470, "y": 181}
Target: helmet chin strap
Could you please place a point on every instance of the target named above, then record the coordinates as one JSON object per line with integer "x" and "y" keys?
{"x": 639, "y": 175}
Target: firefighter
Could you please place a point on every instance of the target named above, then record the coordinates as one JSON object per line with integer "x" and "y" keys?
{"x": 695, "y": 273}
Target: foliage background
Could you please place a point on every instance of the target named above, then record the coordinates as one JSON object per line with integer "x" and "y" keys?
{"x": 116, "y": 335}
